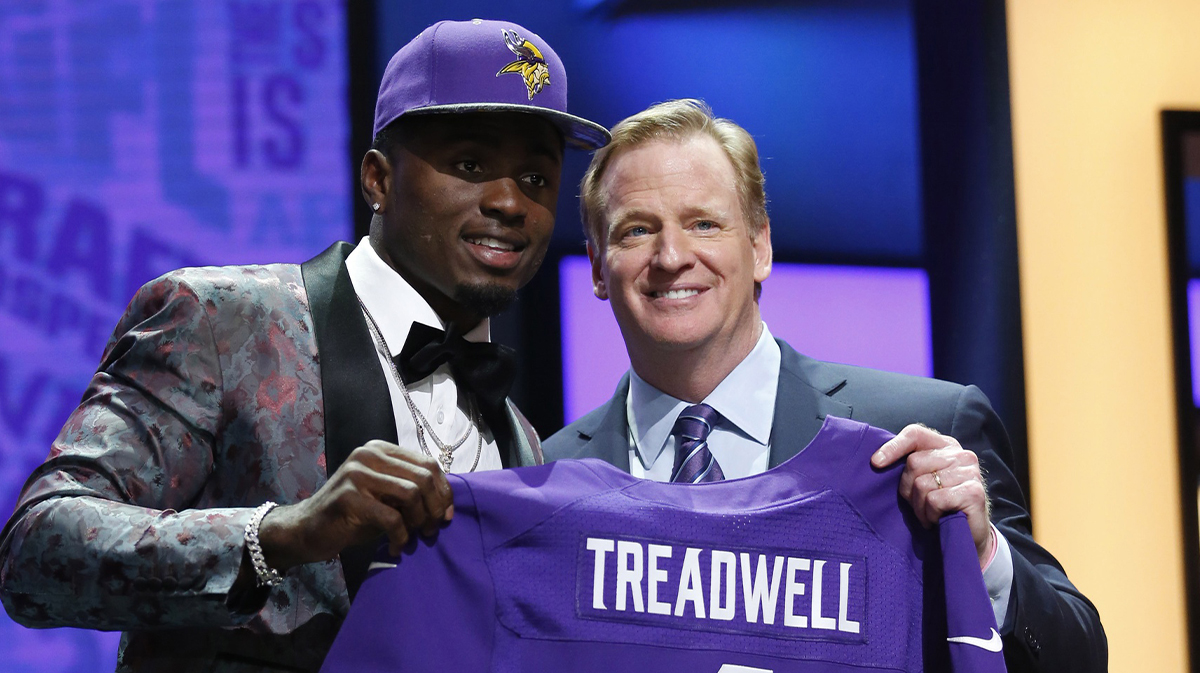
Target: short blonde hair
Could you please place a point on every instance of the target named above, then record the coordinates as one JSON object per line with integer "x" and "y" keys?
{"x": 677, "y": 120}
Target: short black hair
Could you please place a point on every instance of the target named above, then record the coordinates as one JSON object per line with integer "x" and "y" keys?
{"x": 387, "y": 138}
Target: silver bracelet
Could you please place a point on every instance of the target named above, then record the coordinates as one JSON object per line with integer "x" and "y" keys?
{"x": 265, "y": 575}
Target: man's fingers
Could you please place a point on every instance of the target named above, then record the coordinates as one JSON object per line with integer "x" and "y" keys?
{"x": 904, "y": 443}
{"x": 430, "y": 484}
{"x": 948, "y": 476}
{"x": 397, "y": 538}
{"x": 930, "y": 504}
{"x": 423, "y": 470}
{"x": 404, "y": 481}
{"x": 935, "y": 492}
{"x": 911, "y": 439}
{"x": 374, "y": 517}
{"x": 942, "y": 458}
{"x": 378, "y": 454}
{"x": 419, "y": 470}
{"x": 967, "y": 497}
{"x": 405, "y": 496}
{"x": 392, "y": 506}
{"x": 939, "y": 477}
{"x": 390, "y": 521}
{"x": 918, "y": 499}
{"x": 952, "y": 464}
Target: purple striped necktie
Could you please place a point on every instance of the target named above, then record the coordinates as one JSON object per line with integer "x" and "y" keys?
{"x": 694, "y": 463}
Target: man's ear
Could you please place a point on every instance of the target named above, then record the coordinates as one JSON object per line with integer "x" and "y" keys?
{"x": 763, "y": 253}
{"x": 598, "y": 287}
{"x": 375, "y": 178}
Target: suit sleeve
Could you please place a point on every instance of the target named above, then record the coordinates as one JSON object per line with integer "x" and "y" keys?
{"x": 1054, "y": 626}
{"x": 102, "y": 536}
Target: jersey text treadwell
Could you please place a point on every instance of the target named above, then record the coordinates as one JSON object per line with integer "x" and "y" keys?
{"x": 636, "y": 576}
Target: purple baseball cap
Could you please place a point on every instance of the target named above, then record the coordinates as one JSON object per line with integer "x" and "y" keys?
{"x": 481, "y": 66}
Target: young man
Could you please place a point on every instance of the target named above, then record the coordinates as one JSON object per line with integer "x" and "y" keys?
{"x": 341, "y": 388}
{"x": 678, "y": 235}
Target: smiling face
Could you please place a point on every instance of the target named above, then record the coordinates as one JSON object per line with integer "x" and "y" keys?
{"x": 466, "y": 207}
{"x": 677, "y": 260}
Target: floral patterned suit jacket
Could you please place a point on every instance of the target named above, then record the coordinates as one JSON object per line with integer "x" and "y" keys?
{"x": 221, "y": 388}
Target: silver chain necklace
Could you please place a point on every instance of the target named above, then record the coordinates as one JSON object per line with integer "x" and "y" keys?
{"x": 445, "y": 451}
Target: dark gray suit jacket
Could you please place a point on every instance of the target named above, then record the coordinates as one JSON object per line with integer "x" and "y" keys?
{"x": 1054, "y": 627}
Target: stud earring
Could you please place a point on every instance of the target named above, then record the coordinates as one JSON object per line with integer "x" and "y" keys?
{"x": 375, "y": 207}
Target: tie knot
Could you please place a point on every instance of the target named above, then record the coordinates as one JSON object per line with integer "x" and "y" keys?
{"x": 694, "y": 463}
{"x": 695, "y": 423}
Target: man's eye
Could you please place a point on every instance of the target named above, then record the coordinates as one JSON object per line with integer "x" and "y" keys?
{"x": 537, "y": 180}
{"x": 636, "y": 231}
{"x": 705, "y": 225}
{"x": 469, "y": 166}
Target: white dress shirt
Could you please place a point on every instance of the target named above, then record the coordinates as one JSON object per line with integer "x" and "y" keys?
{"x": 741, "y": 438}
{"x": 395, "y": 305}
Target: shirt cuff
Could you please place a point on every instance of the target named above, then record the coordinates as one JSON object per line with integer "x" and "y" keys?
{"x": 998, "y": 578}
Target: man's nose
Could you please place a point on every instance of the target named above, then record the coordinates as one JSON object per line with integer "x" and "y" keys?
{"x": 674, "y": 249}
{"x": 504, "y": 200}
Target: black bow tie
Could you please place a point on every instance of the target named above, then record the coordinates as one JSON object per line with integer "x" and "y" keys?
{"x": 483, "y": 368}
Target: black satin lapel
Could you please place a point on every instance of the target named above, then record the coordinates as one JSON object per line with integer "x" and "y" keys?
{"x": 358, "y": 407}
{"x": 801, "y": 406}
{"x": 506, "y": 444}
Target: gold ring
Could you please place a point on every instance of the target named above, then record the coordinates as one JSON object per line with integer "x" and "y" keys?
{"x": 937, "y": 478}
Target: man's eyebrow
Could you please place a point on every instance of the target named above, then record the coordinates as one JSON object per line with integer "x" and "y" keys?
{"x": 552, "y": 152}
{"x": 620, "y": 217}
{"x": 472, "y": 137}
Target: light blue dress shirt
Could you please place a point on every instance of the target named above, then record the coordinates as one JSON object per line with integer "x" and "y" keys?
{"x": 741, "y": 440}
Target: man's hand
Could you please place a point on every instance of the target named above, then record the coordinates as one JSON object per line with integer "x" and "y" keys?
{"x": 940, "y": 477}
{"x": 381, "y": 489}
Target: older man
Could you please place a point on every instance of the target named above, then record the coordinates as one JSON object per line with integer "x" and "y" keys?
{"x": 341, "y": 388}
{"x": 679, "y": 240}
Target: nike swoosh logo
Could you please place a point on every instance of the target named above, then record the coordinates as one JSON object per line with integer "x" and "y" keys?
{"x": 991, "y": 644}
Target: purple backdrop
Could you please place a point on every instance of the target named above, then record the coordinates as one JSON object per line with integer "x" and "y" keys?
{"x": 136, "y": 137}
{"x": 1193, "y": 310}
{"x": 874, "y": 317}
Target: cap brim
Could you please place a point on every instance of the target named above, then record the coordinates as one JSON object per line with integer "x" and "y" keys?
{"x": 578, "y": 132}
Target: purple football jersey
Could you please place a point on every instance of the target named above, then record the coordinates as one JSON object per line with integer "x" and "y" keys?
{"x": 815, "y": 566}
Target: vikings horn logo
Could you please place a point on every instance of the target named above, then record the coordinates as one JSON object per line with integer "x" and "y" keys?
{"x": 530, "y": 63}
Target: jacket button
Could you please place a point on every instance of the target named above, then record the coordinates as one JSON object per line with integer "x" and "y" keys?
{"x": 154, "y": 584}
{"x": 170, "y": 584}
{"x": 1032, "y": 641}
{"x": 139, "y": 583}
